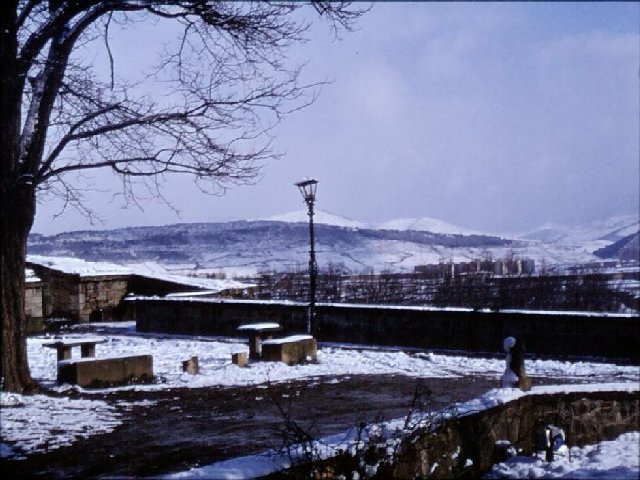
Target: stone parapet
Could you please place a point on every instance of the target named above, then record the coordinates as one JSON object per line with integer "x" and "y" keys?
{"x": 469, "y": 445}
{"x": 555, "y": 334}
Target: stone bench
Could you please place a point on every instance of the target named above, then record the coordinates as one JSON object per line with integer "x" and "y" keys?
{"x": 64, "y": 346}
{"x": 291, "y": 350}
{"x": 105, "y": 372}
{"x": 257, "y": 333}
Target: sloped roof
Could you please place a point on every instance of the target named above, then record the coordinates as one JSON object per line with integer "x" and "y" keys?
{"x": 83, "y": 268}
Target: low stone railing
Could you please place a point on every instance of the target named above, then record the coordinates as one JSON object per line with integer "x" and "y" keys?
{"x": 466, "y": 445}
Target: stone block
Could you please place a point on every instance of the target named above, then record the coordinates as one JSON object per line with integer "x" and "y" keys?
{"x": 240, "y": 359}
{"x": 104, "y": 372}
{"x": 191, "y": 366}
{"x": 291, "y": 350}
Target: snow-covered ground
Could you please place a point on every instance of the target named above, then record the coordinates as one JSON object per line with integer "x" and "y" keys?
{"x": 616, "y": 459}
{"x": 214, "y": 356}
{"x": 37, "y": 423}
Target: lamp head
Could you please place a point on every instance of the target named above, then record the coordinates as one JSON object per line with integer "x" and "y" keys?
{"x": 308, "y": 188}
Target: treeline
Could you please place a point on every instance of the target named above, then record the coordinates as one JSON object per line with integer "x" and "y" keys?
{"x": 586, "y": 291}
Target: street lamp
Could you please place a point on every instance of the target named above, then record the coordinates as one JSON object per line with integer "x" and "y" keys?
{"x": 308, "y": 190}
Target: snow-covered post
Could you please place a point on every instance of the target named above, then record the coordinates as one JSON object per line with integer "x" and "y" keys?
{"x": 548, "y": 446}
{"x": 514, "y": 374}
{"x": 191, "y": 366}
{"x": 554, "y": 441}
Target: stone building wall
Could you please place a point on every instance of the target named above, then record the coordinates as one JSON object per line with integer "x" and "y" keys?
{"x": 99, "y": 297}
{"x": 447, "y": 452}
{"x": 59, "y": 294}
{"x": 33, "y": 306}
{"x": 69, "y": 297}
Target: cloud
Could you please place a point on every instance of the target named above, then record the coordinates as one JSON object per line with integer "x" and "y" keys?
{"x": 375, "y": 91}
{"x": 492, "y": 116}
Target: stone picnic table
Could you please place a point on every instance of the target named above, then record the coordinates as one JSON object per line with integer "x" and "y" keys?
{"x": 64, "y": 345}
{"x": 257, "y": 332}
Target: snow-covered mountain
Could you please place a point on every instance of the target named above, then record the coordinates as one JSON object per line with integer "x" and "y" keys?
{"x": 282, "y": 243}
{"x": 610, "y": 230}
{"x": 245, "y": 247}
{"x": 320, "y": 216}
{"x": 423, "y": 224}
{"x": 592, "y": 237}
{"x": 426, "y": 224}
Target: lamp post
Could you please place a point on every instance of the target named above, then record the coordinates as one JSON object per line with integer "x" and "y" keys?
{"x": 308, "y": 190}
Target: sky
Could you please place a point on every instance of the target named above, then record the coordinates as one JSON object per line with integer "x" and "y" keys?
{"x": 498, "y": 117}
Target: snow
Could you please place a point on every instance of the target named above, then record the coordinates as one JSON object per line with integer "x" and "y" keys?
{"x": 606, "y": 460}
{"x": 500, "y": 396}
{"x": 30, "y": 276}
{"x": 509, "y": 378}
{"x": 320, "y": 216}
{"x": 291, "y": 338}
{"x": 253, "y": 251}
{"x": 39, "y": 423}
{"x": 426, "y": 224}
{"x": 259, "y": 326}
{"x": 190, "y": 294}
{"x": 74, "y": 340}
{"x": 216, "y": 368}
{"x": 78, "y": 266}
{"x": 594, "y": 234}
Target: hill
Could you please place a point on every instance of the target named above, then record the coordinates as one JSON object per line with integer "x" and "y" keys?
{"x": 627, "y": 248}
{"x": 282, "y": 243}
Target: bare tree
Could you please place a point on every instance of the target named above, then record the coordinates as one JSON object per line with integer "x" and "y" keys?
{"x": 225, "y": 84}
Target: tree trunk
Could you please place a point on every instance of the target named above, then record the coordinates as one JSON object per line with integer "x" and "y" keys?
{"x": 17, "y": 211}
{"x": 13, "y": 249}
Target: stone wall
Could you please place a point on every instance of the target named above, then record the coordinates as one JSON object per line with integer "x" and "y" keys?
{"x": 99, "y": 297}
{"x": 557, "y": 335}
{"x": 60, "y": 294}
{"x": 75, "y": 298}
{"x": 219, "y": 317}
{"x": 33, "y": 307}
{"x": 586, "y": 418}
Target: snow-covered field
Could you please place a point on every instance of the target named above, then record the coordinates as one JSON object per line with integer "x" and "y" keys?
{"x": 31, "y": 424}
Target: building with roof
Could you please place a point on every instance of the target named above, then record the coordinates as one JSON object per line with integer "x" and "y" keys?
{"x": 71, "y": 290}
